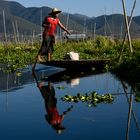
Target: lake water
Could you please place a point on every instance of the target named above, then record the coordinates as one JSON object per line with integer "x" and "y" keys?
{"x": 25, "y": 107}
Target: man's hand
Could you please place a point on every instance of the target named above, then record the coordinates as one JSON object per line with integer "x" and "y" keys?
{"x": 68, "y": 32}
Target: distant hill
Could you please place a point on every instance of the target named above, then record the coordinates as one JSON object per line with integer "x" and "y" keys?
{"x": 29, "y": 20}
{"x": 14, "y": 22}
{"x": 137, "y": 19}
{"x": 112, "y": 25}
{"x": 24, "y": 27}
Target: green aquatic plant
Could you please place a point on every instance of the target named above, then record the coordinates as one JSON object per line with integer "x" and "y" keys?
{"x": 92, "y": 99}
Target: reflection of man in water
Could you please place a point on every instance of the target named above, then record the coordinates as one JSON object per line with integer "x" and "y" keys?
{"x": 52, "y": 116}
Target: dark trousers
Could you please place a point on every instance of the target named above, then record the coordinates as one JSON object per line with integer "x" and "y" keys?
{"x": 47, "y": 45}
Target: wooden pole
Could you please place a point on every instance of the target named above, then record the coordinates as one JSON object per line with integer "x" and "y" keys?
{"x": 94, "y": 31}
{"x": 84, "y": 30}
{"x": 4, "y": 25}
{"x": 41, "y": 24}
{"x": 108, "y": 26}
{"x": 33, "y": 37}
{"x": 127, "y": 26}
{"x": 122, "y": 32}
{"x": 17, "y": 32}
{"x": 112, "y": 25}
{"x": 91, "y": 31}
{"x": 14, "y": 32}
{"x": 67, "y": 21}
{"x": 105, "y": 34}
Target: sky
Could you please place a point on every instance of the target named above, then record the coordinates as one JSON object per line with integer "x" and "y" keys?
{"x": 91, "y": 8}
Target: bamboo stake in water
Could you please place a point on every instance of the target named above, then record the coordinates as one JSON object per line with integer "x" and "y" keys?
{"x": 33, "y": 36}
{"x": 94, "y": 31}
{"x": 127, "y": 26}
{"x": 17, "y": 32}
{"x": 14, "y": 32}
{"x": 122, "y": 32}
{"x": 4, "y": 25}
{"x": 105, "y": 34}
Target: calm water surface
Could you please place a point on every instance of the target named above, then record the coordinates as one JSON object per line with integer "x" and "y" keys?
{"x": 24, "y": 107}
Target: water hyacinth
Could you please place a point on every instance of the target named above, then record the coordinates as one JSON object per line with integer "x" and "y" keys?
{"x": 92, "y": 98}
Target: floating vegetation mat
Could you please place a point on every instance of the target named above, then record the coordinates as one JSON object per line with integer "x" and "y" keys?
{"x": 91, "y": 99}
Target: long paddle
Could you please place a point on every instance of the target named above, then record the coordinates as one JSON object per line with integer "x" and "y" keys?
{"x": 34, "y": 65}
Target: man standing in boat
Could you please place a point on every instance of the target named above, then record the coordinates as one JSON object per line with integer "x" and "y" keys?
{"x": 50, "y": 24}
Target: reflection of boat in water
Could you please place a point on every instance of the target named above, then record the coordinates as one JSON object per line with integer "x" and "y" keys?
{"x": 13, "y": 82}
{"x": 68, "y": 75}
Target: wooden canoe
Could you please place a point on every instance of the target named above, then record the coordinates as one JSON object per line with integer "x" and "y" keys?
{"x": 78, "y": 64}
